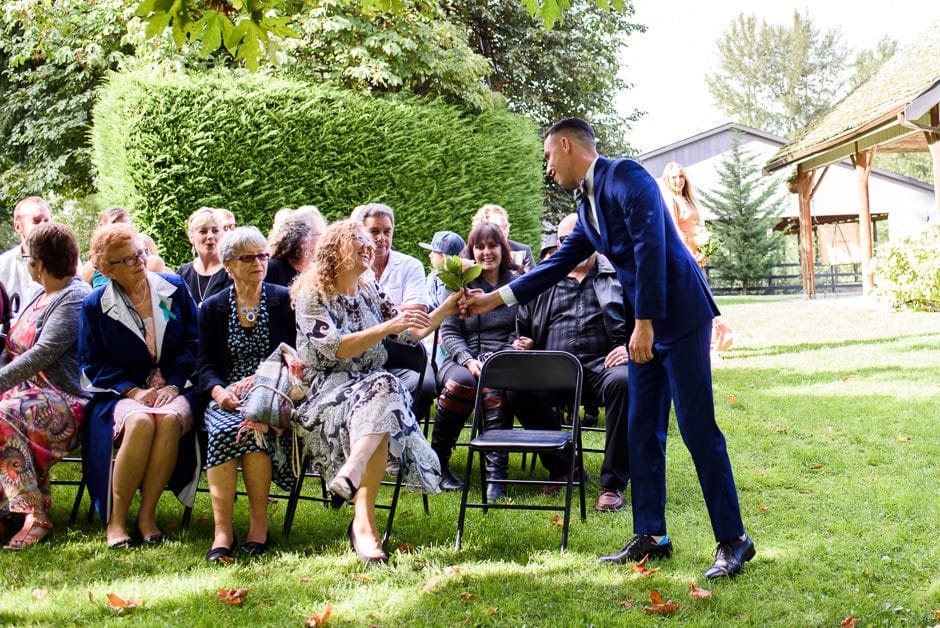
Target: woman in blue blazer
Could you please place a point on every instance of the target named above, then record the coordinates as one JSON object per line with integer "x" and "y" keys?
{"x": 137, "y": 348}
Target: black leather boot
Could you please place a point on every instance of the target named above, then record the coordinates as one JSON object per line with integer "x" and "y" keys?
{"x": 448, "y": 422}
{"x": 497, "y": 463}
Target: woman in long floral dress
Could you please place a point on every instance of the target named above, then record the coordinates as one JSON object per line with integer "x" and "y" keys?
{"x": 41, "y": 400}
{"x": 357, "y": 412}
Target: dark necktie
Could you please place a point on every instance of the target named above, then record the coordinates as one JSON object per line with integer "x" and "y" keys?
{"x": 580, "y": 192}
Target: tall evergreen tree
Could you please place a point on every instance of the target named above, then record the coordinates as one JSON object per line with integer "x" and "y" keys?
{"x": 746, "y": 209}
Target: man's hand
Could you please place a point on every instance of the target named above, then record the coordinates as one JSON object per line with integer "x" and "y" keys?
{"x": 617, "y": 357}
{"x": 475, "y": 367}
{"x": 641, "y": 341}
{"x": 523, "y": 343}
{"x": 478, "y": 302}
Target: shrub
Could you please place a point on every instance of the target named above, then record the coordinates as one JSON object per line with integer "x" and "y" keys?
{"x": 907, "y": 273}
{"x": 165, "y": 144}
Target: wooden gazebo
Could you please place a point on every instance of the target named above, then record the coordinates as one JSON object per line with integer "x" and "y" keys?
{"x": 897, "y": 110}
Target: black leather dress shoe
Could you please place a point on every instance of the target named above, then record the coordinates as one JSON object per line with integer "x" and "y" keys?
{"x": 448, "y": 481}
{"x": 730, "y": 557}
{"x": 639, "y": 546}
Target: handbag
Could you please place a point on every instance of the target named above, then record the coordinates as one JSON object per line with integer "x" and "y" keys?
{"x": 270, "y": 402}
{"x": 275, "y": 390}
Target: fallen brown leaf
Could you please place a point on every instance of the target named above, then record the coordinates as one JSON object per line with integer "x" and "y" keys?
{"x": 732, "y": 398}
{"x": 903, "y": 438}
{"x": 697, "y": 592}
{"x": 658, "y": 606}
{"x": 306, "y": 578}
{"x": 91, "y": 596}
{"x": 848, "y": 622}
{"x": 626, "y": 603}
{"x": 170, "y": 525}
{"x": 816, "y": 466}
{"x": 846, "y": 378}
{"x": 641, "y": 569}
{"x": 761, "y": 472}
{"x": 936, "y": 614}
{"x": 40, "y": 594}
{"x": 782, "y": 431}
{"x": 406, "y": 547}
{"x": 557, "y": 520}
{"x": 202, "y": 520}
{"x": 232, "y": 596}
{"x": 467, "y": 597}
{"x": 763, "y": 507}
{"x": 436, "y": 580}
{"x": 363, "y": 577}
{"x": 319, "y": 620}
{"x": 117, "y": 603}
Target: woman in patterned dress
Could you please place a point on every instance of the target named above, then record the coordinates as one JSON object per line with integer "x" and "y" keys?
{"x": 238, "y": 328}
{"x": 41, "y": 403}
{"x": 356, "y": 411}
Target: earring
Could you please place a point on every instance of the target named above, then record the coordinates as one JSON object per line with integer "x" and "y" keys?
{"x": 193, "y": 249}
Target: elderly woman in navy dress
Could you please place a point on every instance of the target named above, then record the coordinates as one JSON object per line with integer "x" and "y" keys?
{"x": 137, "y": 348}
{"x": 357, "y": 412}
{"x": 238, "y": 328}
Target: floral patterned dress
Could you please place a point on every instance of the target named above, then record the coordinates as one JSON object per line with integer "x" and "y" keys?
{"x": 39, "y": 425}
{"x": 353, "y": 397}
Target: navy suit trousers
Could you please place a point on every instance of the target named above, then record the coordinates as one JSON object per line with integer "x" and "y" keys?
{"x": 680, "y": 372}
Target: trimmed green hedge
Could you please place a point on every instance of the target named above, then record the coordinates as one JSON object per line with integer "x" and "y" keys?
{"x": 165, "y": 144}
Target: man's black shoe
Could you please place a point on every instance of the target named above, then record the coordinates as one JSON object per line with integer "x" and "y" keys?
{"x": 730, "y": 557}
{"x": 639, "y": 546}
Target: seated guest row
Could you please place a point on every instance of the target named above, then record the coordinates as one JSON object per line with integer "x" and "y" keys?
{"x": 140, "y": 350}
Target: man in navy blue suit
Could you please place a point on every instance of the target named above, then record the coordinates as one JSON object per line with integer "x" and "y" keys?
{"x": 621, "y": 214}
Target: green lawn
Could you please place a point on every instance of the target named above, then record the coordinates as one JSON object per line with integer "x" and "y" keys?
{"x": 830, "y": 408}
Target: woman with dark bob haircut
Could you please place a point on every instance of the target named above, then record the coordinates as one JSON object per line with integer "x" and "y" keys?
{"x": 41, "y": 398}
{"x": 467, "y": 342}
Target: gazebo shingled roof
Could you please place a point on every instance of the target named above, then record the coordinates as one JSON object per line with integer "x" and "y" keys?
{"x": 868, "y": 116}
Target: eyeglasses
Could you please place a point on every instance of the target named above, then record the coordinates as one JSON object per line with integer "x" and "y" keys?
{"x": 230, "y": 227}
{"x": 247, "y": 259}
{"x": 131, "y": 260}
{"x": 363, "y": 238}
{"x": 25, "y": 257}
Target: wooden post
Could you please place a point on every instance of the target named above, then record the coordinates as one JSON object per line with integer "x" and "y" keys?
{"x": 863, "y": 163}
{"x": 807, "y": 256}
{"x": 933, "y": 146}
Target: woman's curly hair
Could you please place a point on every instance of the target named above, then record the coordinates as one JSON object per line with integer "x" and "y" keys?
{"x": 335, "y": 254}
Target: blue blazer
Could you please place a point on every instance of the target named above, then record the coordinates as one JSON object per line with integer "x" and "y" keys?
{"x": 660, "y": 278}
{"x": 114, "y": 357}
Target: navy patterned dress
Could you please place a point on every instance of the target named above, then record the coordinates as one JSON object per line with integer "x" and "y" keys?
{"x": 248, "y": 347}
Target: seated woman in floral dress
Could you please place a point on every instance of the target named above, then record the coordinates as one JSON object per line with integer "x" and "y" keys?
{"x": 41, "y": 399}
{"x": 238, "y": 328}
{"x": 357, "y": 412}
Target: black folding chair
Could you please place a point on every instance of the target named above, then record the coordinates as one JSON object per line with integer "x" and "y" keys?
{"x": 413, "y": 357}
{"x": 530, "y": 371}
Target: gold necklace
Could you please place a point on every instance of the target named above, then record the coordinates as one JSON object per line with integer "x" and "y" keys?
{"x": 146, "y": 294}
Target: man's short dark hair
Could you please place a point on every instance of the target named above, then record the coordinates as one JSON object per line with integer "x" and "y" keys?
{"x": 580, "y": 130}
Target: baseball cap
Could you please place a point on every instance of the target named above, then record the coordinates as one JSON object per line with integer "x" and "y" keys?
{"x": 446, "y": 242}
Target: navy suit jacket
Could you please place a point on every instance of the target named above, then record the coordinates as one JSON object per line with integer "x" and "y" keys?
{"x": 660, "y": 278}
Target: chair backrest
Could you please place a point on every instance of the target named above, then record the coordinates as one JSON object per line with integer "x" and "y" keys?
{"x": 404, "y": 356}
{"x": 532, "y": 371}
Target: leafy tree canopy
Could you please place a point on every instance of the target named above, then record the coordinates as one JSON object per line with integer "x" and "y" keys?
{"x": 254, "y": 30}
{"x": 778, "y": 78}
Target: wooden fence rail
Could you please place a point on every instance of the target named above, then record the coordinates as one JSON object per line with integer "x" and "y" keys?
{"x": 786, "y": 279}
